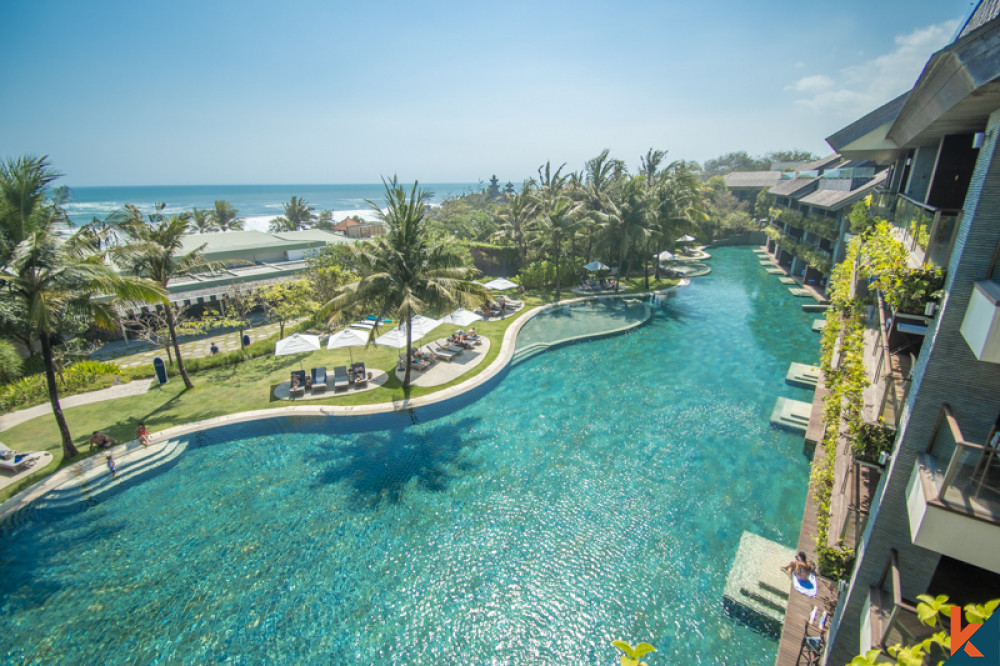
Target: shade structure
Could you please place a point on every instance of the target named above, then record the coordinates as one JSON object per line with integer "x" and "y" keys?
{"x": 397, "y": 336}
{"x": 461, "y": 317}
{"x": 686, "y": 238}
{"x": 666, "y": 255}
{"x": 297, "y": 343}
{"x": 500, "y": 284}
{"x": 595, "y": 266}
{"x": 349, "y": 337}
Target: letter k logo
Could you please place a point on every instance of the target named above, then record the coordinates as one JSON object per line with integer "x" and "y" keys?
{"x": 960, "y": 636}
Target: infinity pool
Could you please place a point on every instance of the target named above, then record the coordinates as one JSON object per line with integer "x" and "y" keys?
{"x": 593, "y": 492}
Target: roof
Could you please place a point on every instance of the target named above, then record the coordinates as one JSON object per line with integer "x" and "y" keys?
{"x": 346, "y": 222}
{"x": 792, "y": 186}
{"x": 230, "y": 241}
{"x": 752, "y": 178}
{"x": 986, "y": 11}
{"x": 316, "y": 235}
{"x": 822, "y": 163}
{"x": 868, "y": 132}
{"x": 837, "y": 199}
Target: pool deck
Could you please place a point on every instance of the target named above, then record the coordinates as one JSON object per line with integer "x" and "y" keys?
{"x": 124, "y": 453}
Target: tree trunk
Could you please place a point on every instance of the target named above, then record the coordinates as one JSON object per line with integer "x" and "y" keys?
{"x": 557, "y": 253}
{"x": 69, "y": 450}
{"x": 645, "y": 266}
{"x": 409, "y": 343}
{"x": 177, "y": 348}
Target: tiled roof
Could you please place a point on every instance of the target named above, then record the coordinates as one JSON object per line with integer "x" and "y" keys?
{"x": 822, "y": 163}
{"x": 836, "y": 199}
{"x": 791, "y": 186}
{"x": 984, "y": 13}
{"x": 752, "y": 178}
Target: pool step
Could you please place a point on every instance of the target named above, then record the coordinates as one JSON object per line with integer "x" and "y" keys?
{"x": 800, "y": 374}
{"x": 819, "y": 325}
{"x": 774, "y": 270}
{"x": 524, "y": 353}
{"x": 756, "y": 589}
{"x": 767, "y": 262}
{"x": 784, "y": 279}
{"x": 791, "y": 414}
{"x": 90, "y": 485}
{"x": 801, "y": 292}
{"x": 815, "y": 307}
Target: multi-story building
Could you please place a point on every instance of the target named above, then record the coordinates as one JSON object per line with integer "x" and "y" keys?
{"x": 930, "y": 519}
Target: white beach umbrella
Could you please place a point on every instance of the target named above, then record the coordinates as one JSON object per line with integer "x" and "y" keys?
{"x": 461, "y": 317}
{"x": 666, "y": 255}
{"x": 423, "y": 325}
{"x": 595, "y": 266}
{"x": 394, "y": 338}
{"x": 686, "y": 238}
{"x": 297, "y": 343}
{"x": 348, "y": 337}
{"x": 397, "y": 337}
{"x": 500, "y": 284}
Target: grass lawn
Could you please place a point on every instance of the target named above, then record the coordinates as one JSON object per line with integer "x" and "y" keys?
{"x": 242, "y": 388}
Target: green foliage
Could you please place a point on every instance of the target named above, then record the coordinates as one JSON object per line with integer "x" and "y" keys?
{"x": 289, "y": 300}
{"x": 861, "y": 220}
{"x": 542, "y": 274}
{"x": 824, "y": 227}
{"x": 809, "y": 253}
{"x": 76, "y": 378}
{"x": 872, "y": 441}
{"x": 468, "y": 217}
{"x": 633, "y": 655}
{"x": 11, "y": 364}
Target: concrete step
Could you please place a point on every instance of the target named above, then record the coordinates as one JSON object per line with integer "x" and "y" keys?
{"x": 800, "y": 374}
{"x": 791, "y": 415}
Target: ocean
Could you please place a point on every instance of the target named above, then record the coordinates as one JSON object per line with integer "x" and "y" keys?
{"x": 257, "y": 204}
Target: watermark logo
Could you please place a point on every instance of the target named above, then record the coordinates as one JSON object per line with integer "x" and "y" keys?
{"x": 975, "y": 644}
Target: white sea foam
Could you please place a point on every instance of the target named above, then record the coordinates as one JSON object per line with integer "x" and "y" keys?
{"x": 261, "y": 222}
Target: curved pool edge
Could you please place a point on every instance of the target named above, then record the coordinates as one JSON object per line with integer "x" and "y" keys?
{"x": 159, "y": 439}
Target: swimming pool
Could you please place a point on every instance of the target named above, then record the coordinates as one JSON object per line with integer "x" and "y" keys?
{"x": 594, "y": 492}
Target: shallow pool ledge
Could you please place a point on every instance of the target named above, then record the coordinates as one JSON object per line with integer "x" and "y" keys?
{"x": 160, "y": 438}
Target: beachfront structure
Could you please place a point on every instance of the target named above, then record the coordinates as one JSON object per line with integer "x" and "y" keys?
{"x": 927, "y": 519}
{"x": 249, "y": 258}
{"x": 809, "y": 223}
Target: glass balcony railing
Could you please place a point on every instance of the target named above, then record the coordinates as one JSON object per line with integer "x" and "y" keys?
{"x": 926, "y": 231}
{"x": 891, "y": 619}
{"x": 966, "y": 475}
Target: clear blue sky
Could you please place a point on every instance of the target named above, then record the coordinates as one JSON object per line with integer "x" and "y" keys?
{"x": 323, "y": 91}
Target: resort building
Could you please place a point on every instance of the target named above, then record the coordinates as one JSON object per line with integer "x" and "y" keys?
{"x": 809, "y": 223}
{"x": 925, "y": 517}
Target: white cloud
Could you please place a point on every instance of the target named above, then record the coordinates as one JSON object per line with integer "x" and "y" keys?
{"x": 812, "y": 84}
{"x": 863, "y": 88}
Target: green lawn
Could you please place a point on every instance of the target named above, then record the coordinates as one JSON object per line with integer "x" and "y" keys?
{"x": 241, "y": 388}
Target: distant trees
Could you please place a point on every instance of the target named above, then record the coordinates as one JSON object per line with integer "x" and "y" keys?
{"x": 741, "y": 161}
{"x": 298, "y": 215}
{"x": 226, "y": 218}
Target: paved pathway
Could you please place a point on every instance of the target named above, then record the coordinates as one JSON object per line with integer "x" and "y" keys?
{"x": 121, "y": 353}
{"x": 121, "y": 391}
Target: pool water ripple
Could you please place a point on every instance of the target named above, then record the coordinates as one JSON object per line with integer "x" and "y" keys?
{"x": 598, "y": 491}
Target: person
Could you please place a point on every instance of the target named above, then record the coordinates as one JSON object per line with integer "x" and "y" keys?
{"x": 142, "y": 434}
{"x": 214, "y": 348}
{"x": 113, "y": 467}
{"x": 101, "y": 440}
{"x": 520, "y": 289}
{"x": 801, "y": 568}
{"x": 471, "y": 333}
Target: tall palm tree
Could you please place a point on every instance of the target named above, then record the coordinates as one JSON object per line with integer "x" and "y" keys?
{"x": 514, "y": 214}
{"x": 407, "y": 271}
{"x": 226, "y": 217}
{"x": 154, "y": 252}
{"x": 299, "y": 213}
{"x": 202, "y": 221}
{"x": 51, "y": 279}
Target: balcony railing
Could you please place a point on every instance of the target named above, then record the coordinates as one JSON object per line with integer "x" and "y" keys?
{"x": 888, "y": 373}
{"x": 892, "y": 619}
{"x": 927, "y": 232}
{"x": 966, "y": 475}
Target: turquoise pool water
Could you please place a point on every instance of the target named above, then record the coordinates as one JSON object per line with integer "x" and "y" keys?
{"x": 594, "y": 492}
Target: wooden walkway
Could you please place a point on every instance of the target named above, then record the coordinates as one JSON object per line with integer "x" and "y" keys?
{"x": 800, "y": 606}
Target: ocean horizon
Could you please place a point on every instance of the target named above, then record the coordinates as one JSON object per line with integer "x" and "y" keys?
{"x": 257, "y": 204}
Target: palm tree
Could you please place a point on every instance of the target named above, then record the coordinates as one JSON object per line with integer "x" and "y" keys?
{"x": 407, "y": 271}
{"x": 514, "y": 214}
{"x": 154, "y": 253}
{"x": 202, "y": 221}
{"x": 299, "y": 213}
{"x": 226, "y": 217}
{"x": 52, "y": 280}
{"x": 10, "y": 361}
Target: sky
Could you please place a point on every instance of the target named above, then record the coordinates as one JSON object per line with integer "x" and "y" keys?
{"x": 324, "y": 91}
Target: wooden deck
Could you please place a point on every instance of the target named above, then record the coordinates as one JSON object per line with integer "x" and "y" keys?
{"x": 800, "y": 606}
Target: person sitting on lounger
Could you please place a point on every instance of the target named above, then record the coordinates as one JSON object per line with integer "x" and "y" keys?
{"x": 801, "y": 568}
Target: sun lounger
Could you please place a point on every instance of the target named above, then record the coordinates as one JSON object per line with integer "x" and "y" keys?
{"x": 508, "y": 304}
{"x": 449, "y": 346}
{"x": 13, "y": 461}
{"x": 300, "y": 389}
{"x": 361, "y": 376}
{"x": 340, "y": 380}
{"x": 440, "y": 352}
{"x": 318, "y": 379}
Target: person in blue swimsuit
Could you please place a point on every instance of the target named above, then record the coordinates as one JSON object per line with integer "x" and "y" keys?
{"x": 112, "y": 467}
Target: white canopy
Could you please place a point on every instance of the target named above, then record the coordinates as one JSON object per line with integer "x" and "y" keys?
{"x": 397, "y": 336}
{"x": 595, "y": 266}
{"x": 666, "y": 255}
{"x": 686, "y": 238}
{"x": 297, "y": 343}
{"x": 500, "y": 284}
{"x": 348, "y": 337}
{"x": 461, "y": 317}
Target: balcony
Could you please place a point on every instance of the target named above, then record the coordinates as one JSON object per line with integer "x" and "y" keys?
{"x": 981, "y": 324}
{"x": 953, "y": 496}
{"x": 889, "y": 369}
{"x": 887, "y": 618}
{"x": 927, "y": 232}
